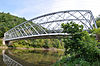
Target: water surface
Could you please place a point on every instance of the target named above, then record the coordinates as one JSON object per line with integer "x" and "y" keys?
{"x": 14, "y": 57}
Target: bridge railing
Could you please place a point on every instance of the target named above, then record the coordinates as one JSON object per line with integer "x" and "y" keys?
{"x": 51, "y": 24}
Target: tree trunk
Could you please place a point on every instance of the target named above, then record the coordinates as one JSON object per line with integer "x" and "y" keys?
{"x": 98, "y": 37}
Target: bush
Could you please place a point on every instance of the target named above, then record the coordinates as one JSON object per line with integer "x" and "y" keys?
{"x": 98, "y": 23}
{"x": 81, "y": 47}
{"x": 75, "y": 62}
{"x": 71, "y": 27}
{"x": 97, "y": 31}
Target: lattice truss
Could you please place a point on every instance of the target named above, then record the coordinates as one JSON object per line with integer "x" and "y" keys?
{"x": 51, "y": 24}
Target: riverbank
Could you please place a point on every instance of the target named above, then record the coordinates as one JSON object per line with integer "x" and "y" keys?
{"x": 23, "y": 48}
{"x": 3, "y": 47}
{"x": 26, "y": 47}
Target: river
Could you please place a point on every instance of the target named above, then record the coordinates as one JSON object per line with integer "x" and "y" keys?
{"x": 15, "y": 57}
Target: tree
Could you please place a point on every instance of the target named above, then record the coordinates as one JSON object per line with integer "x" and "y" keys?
{"x": 80, "y": 44}
{"x": 98, "y": 23}
{"x": 8, "y": 21}
{"x": 71, "y": 27}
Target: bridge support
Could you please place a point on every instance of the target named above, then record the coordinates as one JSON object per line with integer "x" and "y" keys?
{"x": 6, "y": 42}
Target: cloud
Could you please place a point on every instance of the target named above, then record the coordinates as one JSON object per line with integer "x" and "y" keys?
{"x": 63, "y": 5}
{"x": 92, "y": 5}
{"x": 31, "y": 9}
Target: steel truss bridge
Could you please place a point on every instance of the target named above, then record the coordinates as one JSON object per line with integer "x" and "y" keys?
{"x": 49, "y": 25}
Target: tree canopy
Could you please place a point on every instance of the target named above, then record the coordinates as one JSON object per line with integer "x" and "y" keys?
{"x": 8, "y": 21}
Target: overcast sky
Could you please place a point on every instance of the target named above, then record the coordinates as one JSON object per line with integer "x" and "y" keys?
{"x": 33, "y": 8}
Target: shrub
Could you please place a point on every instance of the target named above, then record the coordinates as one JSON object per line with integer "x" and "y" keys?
{"x": 97, "y": 31}
{"x": 80, "y": 44}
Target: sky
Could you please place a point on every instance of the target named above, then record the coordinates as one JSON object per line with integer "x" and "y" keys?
{"x": 33, "y": 8}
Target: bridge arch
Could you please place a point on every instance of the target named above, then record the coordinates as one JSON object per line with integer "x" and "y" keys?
{"x": 50, "y": 25}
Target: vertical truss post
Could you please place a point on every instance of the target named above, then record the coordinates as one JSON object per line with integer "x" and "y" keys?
{"x": 34, "y": 28}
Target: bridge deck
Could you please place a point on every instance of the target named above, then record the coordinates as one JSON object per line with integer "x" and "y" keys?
{"x": 41, "y": 36}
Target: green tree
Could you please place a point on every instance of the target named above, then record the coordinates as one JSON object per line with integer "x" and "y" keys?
{"x": 80, "y": 44}
{"x": 98, "y": 23}
{"x": 8, "y": 21}
{"x": 71, "y": 27}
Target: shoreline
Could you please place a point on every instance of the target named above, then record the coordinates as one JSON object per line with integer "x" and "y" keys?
{"x": 30, "y": 48}
{"x": 3, "y": 47}
{"x": 24, "y": 48}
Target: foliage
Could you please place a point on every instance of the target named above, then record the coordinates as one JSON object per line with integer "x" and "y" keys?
{"x": 80, "y": 45}
{"x": 0, "y": 42}
{"x": 75, "y": 62}
{"x": 8, "y": 21}
{"x": 98, "y": 23}
{"x": 71, "y": 27}
{"x": 96, "y": 31}
{"x": 38, "y": 43}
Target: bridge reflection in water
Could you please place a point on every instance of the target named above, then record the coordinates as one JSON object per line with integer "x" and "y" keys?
{"x": 17, "y": 57}
{"x": 9, "y": 61}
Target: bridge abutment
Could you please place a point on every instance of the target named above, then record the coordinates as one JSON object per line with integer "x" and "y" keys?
{"x": 5, "y": 42}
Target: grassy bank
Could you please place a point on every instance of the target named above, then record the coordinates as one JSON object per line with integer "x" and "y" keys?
{"x": 0, "y": 41}
{"x": 38, "y": 43}
{"x": 16, "y": 46}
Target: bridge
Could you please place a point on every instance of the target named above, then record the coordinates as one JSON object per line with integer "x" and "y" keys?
{"x": 49, "y": 25}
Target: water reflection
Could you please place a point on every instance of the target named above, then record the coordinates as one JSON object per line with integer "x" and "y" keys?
{"x": 30, "y": 57}
{"x": 9, "y": 61}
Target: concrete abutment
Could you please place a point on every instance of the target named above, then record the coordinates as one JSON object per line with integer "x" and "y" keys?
{"x": 6, "y": 42}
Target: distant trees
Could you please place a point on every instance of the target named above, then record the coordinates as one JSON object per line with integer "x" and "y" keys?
{"x": 8, "y": 21}
{"x": 39, "y": 43}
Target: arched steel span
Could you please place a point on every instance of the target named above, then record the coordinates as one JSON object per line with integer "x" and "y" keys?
{"x": 50, "y": 25}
